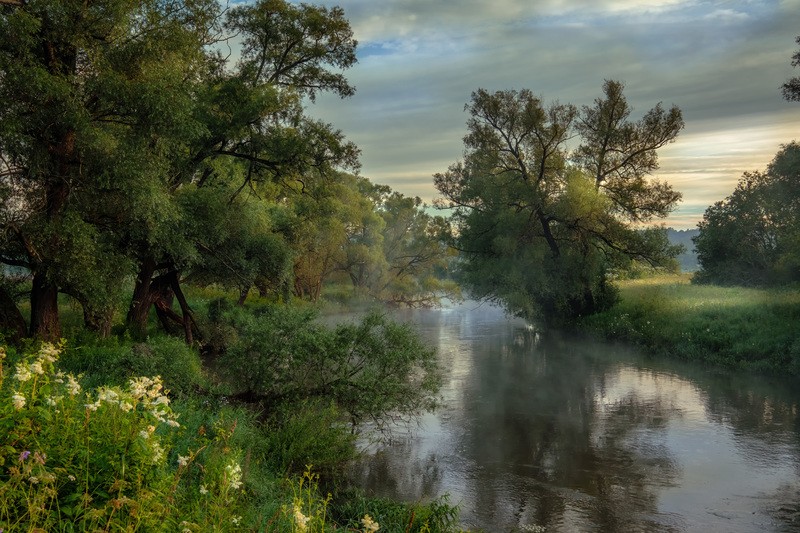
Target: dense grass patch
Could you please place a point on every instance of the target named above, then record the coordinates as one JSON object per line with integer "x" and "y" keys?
{"x": 736, "y": 327}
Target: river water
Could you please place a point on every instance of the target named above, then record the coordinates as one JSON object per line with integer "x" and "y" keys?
{"x": 543, "y": 430}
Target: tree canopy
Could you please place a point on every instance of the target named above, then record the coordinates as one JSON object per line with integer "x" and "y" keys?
{"x": 539, "y": 226}
{"x": 752, "y": 237}
{"x": 127, "y": 144}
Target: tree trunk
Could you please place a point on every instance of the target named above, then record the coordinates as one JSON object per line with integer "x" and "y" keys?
{"x": 98, "y": 320}
{"x": 243, "y": 296}
{"x": 141, "y": 300}
{"x": 11, "y": 320}
{"x": 45, "y": 323}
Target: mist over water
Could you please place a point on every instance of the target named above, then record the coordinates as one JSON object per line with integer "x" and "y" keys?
{"x": 572, "y": 435}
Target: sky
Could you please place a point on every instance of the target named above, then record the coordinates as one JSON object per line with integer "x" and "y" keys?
{"x": 722, "y": 62}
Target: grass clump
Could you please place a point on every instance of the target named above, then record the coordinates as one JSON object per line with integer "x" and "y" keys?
{"x": 734, "y": 327}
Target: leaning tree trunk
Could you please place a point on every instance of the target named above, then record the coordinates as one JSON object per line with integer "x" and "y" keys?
{"x": 141, "y": 300}
{"x": 45, "y": 323}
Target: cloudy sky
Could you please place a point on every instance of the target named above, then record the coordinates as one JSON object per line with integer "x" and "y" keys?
{"x": 721, "y": 61}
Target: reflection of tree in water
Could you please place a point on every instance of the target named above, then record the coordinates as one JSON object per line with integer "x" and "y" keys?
{"x": 541, "y": 431}
{"x": 562, "y": 452}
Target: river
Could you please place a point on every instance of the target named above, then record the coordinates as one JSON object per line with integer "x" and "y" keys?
{"x": 569, "y": 435}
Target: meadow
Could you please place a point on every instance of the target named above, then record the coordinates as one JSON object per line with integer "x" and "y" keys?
{"x": 743, "y": 328}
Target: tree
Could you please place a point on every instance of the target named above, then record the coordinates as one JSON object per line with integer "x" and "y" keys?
{"x": 416, "y": 254}
{"x": 752, "y": 237}
{"x": 113, "y": 111}
{"x": 791, "y": 89}
{"x": 540, "y": 227}
{"x": 89, "y": 89}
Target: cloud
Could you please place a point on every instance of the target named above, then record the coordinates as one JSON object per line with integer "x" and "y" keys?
{"x": 722, "y": 62}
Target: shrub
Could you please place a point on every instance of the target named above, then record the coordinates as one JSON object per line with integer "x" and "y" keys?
{"x": 374, "y": 370}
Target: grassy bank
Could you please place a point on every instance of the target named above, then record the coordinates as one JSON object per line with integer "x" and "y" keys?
{"x": 733, "y": 327}
{"x": 119, "y": 435}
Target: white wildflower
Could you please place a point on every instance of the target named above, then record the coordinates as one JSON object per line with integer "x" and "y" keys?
{"x": 107, "y": 395}
{"x": 203, "y": 490}
{"x": 48, "y": 352}
{"x": 50, "y": 401}
{"x": 183, "y": 460}
{"x": 144, "y": 434}
{"x": 235, "y": 520}
{"x": 300, "y": 519}
{"x": 370, "y": 525}
{"x": 92, "y": 406}
{"x": 71, "y": 477}
{"x": 125, "y": 406}
{"x": 36, "y": 368}
{"x": 158, "y": 452}
{"x": 161, "y": 400}
{"x": 18, "y": 400}
{"x": 173, "y": 423}
{"x": 23, "y": 372}
{"x": 73, "y": 387}
{"x": 234, "y": 475}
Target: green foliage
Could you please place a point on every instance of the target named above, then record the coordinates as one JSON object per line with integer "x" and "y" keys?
{"x": 540, "y": 228}
{"x": 396, "y": 517}
{"x": 307, "y": 432}
{"x": 114, "y": 362}
{"x": 75, "y": 460}
{"x": 374, "y": 370}
{"x": 734, "y": 327}
{"x": 752, "y": 236}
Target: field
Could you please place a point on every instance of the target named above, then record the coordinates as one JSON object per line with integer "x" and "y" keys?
{"x": 735, "y": 327}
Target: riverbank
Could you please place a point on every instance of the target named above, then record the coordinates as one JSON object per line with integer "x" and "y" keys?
{"x": 732, "y": 327}
{"x": 116, "y": 434}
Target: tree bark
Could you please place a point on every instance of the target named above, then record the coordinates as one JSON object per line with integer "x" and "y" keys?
{"x": 45, "y": 322}
{"x": 141, "y": 300}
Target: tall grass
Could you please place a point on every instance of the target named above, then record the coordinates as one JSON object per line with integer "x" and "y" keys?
{"x": 735, "y": 327}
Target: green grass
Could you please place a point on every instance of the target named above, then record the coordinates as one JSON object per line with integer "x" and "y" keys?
{"x": 735, "y": 327}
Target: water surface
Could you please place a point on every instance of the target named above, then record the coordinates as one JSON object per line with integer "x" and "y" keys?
{"x": 571, "y": 435}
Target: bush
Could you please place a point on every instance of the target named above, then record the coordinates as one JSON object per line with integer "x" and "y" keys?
{"x": 374, "y": 370}
{"x": 114, "y": 362}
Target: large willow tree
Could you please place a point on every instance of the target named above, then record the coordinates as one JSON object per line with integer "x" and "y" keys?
{"x": 118, "y": 116}
{"x": 540, "y": 226}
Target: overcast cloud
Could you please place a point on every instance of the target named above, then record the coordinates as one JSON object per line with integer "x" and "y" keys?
{"x": 721, "y": 62}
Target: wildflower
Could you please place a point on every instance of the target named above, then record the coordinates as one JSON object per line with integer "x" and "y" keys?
{"x": 92, "y": 406}
{"x": 72, "y": 385}
{"x": 71, "y": 477}
{"x": 48, "y": 352}
{"x": 18, "y": 400}
{"x": 125, "y": 406}
{"x": 33, "y": 480}
{"x": 300, "y": 519}
{"x": 24, "y": 455}
{"x": 107, "y": 395}
{"x": 370, "y": 525}
{"x": 234, "y": 475}
{"x": 36, "y": 368}
{"x": 23, "y": 373}
{"x": 183, "y": 460}
{"x": 158, "y": 452}
{"x": 144, "y": 434}
{"x": 235, "y": 520}
{"x": 161, "y": 400}
{"x": 203, "y": 490}
{"x": 173, "y": 423}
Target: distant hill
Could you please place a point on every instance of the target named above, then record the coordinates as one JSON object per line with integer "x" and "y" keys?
{"x": 688, "y": 259}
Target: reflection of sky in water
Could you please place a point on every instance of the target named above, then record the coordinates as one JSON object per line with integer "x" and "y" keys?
{"x": 578, "y": 437}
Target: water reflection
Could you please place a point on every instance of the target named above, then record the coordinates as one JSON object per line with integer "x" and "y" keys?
{"x": 575, "y": 436}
